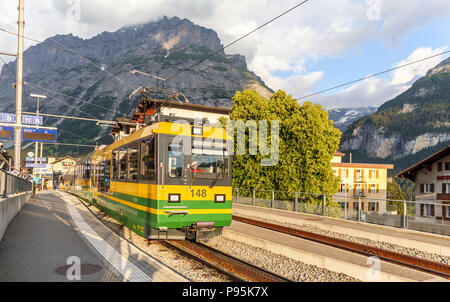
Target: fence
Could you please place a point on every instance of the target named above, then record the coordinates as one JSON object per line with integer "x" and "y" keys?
{"x": 11, "y": 184}
{"x": 10, "y": 201}
{"x": 415, "y": 215}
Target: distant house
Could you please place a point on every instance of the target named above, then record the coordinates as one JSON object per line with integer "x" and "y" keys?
{"x": 61, "y": 166}
{"x": 368, "y": 181}
{"x": 432, "y": 178}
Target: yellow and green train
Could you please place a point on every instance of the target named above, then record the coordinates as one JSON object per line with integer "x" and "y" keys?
{"x": 169, "y": 180}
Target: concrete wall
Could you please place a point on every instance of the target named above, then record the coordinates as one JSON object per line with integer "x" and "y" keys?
{"x": 9, "y": 207}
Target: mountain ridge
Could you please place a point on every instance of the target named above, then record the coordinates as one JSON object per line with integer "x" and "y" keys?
{"x": 161, "y": 48}
{"x": 416, "y": 120}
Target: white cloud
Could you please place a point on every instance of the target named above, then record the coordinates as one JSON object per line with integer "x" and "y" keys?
{"x": 408, "y": 74}
{"x": 296, "y": 84}
{"x": 377, "y": 91}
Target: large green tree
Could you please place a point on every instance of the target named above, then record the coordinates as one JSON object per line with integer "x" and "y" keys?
{"x": 307, "y": 142}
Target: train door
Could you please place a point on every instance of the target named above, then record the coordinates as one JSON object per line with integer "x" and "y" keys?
{"x": 173, "y": 180}
{"x": 94, "y": 180}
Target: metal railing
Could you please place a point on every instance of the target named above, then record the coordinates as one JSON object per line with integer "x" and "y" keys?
{"x": 12, "y": 184}
{"x": 423, "y": 215}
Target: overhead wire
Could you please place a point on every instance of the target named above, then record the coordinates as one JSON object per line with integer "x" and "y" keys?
{"x": 42, "y": 89}
{"x": 373, "y": 75}
{"x": 90, "y": 61}
{"x": 235, "y": 41}
{"x": 178, "y": 73}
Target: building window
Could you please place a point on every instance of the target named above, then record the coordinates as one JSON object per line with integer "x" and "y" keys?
{"x": 427, "y": 210}
{"x": 342, "y": 205}
{"x": 373, "y": 188}
{"x": 372, "y": 206}
{"x": 343, "y": 173}
{"x": 358, "y": 174}
{"x": 426, "y": 188}
{"x": 447, "y": 166}
{"x": 445, "y": 188}
{"x": 373, "y": 173}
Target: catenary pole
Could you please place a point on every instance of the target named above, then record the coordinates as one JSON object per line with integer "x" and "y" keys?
{"x": 19, "y": 83}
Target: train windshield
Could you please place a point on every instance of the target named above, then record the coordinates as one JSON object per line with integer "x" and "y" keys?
{"x": 210, "y": 160}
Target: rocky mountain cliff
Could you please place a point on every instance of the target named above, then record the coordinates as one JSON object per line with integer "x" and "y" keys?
{"x": 418, "y": 120}
{"x": 160, "y": 48}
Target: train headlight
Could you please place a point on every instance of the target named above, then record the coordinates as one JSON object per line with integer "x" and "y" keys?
{"x": 174, "y": 198}
{"x": 219, "y": 198}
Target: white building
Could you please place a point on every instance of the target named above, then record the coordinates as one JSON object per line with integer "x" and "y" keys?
{"x": 432, "y": 178}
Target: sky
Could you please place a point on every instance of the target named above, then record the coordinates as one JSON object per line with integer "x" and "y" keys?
{"x": 319, "y": 45}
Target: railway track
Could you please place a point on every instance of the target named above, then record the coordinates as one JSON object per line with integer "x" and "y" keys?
{"x": 235, "y": 268}
{"x": 438, "y": 269}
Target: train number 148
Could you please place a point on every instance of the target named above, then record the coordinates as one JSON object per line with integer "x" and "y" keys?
{"x": 199, "y": 193}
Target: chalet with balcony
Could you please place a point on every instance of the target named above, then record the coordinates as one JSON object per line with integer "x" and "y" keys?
{"x": 432, "y": 179}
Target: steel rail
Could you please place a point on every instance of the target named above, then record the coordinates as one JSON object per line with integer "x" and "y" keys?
{"x": 435, "y": 268}
{"x": 226, "y": 264}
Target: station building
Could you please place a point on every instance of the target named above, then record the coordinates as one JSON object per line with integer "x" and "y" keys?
{"x": 359, "y": 180}
{"x": 61, "y": 166}
{"x": 432, "y": 179}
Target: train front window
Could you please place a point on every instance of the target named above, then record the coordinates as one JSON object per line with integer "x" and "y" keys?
{"x": 207, "y": 162}
{"x": 175, "y": 160}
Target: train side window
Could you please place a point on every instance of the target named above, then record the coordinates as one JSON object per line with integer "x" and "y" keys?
{"x": 148, "y": 158}
{"x": 103, "y": 177}
{"x": 133, "y": 156}
{"x": 122, "y": 163}
{"x": 107, "y": 175}
{"x": 115, "y": 165}
{"x": 87, "y": 170}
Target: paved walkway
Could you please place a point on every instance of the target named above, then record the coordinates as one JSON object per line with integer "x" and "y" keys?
{"x": 54, "y": 230}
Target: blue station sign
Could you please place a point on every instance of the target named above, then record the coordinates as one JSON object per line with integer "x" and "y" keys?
{"x": 39, "y": 135}
{"x": 6, "y": 133}
{"x": 39, "y": 166}
{"x": 26, "y": 119}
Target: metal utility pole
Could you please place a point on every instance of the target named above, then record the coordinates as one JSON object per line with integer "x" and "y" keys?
{"x": 36, "y": 147}
{"x": 19, "y": 83}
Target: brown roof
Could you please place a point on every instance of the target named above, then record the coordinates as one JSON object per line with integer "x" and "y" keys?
{"x": 358, "y": 165}
{"x": 63, "y": 158}
{"x": 411, "y": 172}
{"x": 340, "y": 154}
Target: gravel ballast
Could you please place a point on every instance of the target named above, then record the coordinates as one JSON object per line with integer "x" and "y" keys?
{"x": 383, "y": 245}
{"x": 281, "y": 265}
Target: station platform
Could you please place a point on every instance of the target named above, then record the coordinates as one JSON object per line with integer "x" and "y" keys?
{"x": 427, "y": 242}
{"x": 54, "y": 232}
